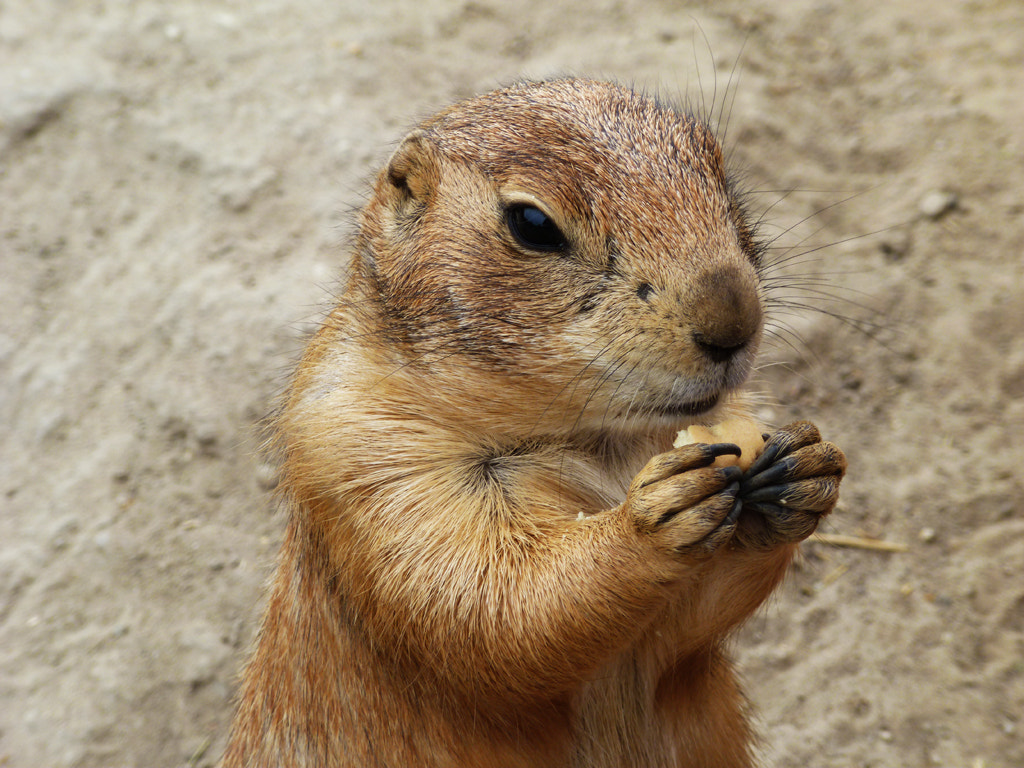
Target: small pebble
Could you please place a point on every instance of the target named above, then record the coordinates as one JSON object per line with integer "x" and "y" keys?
{"x": 226, "y": 20}
{"x": 896, "y": 244}
{"x": 64, "y": 534}
{"x": 266, "y": 476}
{"x": 205, "y": 435}
{"x": 927, "y": 535}
{"x": 936, "y": 203}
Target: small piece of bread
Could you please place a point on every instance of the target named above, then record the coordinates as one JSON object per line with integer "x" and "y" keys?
{"x": 743, "y": 432}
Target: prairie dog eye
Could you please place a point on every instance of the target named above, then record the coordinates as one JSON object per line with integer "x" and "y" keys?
{"x": 533, "y": 228}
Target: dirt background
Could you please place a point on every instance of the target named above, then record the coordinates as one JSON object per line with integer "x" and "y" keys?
{"x": 175, "y": 188}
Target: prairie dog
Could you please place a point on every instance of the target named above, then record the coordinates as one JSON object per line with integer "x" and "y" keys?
{"x": 494, "y": 556}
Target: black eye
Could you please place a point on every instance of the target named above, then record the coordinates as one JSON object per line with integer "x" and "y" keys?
{"x": 533, "y": 229}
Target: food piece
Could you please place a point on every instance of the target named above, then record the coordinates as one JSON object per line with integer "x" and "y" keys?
{"x": 743, "y": 432}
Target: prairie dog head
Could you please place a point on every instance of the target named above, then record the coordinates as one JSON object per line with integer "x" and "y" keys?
{"x": 569, "y": 250}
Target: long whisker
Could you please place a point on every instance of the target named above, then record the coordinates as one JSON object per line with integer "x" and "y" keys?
{"x": 576, "y": 379}
{"x": 622, "y": 381}
{"x": 606, "y": 375}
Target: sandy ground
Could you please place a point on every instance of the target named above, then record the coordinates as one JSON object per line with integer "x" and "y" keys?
{"x": 175, "y": 188}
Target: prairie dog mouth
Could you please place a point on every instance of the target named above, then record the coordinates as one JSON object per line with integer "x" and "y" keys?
{"x": 685, "y": 409}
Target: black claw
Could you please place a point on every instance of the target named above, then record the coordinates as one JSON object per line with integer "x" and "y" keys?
{"x": 765, "y": 460}
{"x": 773, "y": 474}
{"x": 772, "y": 494}
{"x": 734, "y": 513}
{"x": 733, "y": 476}
{"x": 723, "y": 449}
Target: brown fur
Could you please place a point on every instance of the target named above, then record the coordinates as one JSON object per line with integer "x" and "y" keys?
{"x": 484, "y": 565}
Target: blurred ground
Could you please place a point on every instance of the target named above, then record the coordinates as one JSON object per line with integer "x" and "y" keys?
{"x": 174, "y": 188}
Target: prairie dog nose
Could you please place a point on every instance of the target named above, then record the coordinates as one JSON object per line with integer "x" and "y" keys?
{"x": 726, "y": 312}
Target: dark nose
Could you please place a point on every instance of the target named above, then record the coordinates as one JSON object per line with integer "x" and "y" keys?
{"x": 726, "y": 313}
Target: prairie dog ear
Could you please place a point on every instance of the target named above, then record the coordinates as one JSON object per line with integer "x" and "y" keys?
{"x": 412, "y": 169}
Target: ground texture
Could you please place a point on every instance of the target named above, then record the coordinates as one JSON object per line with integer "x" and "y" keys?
{"x": 175, "y": 188}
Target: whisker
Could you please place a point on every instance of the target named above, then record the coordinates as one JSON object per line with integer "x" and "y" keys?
{"x": 576, "y": 379}
{"x": 863, "y": 325}
{"x": 733, "y": 86}
{"x": 783, "y": 334}
{"x": 618, "y": 387}
{"x": 818, "y": 212}
{"x": 843, "y": 241}
{"x": 606, "y": 376}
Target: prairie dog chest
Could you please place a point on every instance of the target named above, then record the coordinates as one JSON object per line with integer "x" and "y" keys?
{"x": 564, "y": 475}
{"x": 555, "y": 477}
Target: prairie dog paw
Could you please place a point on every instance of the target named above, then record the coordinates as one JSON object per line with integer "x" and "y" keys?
{"x": 683, "y": 501}
{"x": 790, "y": 487}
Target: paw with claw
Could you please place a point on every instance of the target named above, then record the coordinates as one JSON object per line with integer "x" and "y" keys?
{"x": 789, "y": 488}
{"x": 684, "y": 503}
